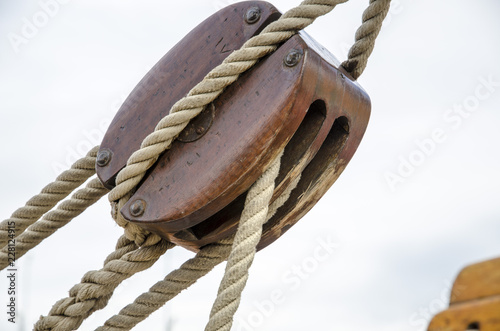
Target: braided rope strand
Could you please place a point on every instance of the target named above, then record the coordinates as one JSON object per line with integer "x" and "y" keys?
{"x": 54, "y": 220}
{"x": 123, "y": 247}
{"x": 373, "y": 17}
{"x": 50, "y": 195}
{"x": 178, "y": 280}
{"x": 174, "y": 283}
{"x": 139, "y": 249}
{"x": 280, "y": 201}
{"x": 96, "y": 287}
{"x": 247, "y": 237}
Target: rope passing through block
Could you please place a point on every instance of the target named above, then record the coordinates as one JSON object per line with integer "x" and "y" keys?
{"x": 298, "y": 98}
{"x": 309, "y": 117}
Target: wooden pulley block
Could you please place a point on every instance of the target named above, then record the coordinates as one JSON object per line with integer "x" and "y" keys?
{"x": 474, "y": 302}
{"x": 298, "y": 98}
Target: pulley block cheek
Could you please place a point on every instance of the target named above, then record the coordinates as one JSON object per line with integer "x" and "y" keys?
{"x": 296, "y": 99}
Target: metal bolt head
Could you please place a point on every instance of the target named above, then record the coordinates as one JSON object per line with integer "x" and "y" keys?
{"x": 137, "y": 208}
{"x": 292, "y": 58}
{"x": 103, "y": 158}
{"x": 253, "y": 15}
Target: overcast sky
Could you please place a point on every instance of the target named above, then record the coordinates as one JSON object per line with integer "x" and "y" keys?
{"x": 418, "y": 202}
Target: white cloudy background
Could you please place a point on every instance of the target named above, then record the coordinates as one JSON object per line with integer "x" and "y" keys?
{"x": 398, "y": 249}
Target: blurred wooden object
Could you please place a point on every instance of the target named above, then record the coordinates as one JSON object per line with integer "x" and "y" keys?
{"x": 475, "y": 300}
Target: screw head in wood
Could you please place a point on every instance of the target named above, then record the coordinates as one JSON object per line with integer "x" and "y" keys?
{"x": 292, "y": 58}
{"x": 253, "y": 15}
{"x": 137, "y": 208}
{"x": 103, "y": 157}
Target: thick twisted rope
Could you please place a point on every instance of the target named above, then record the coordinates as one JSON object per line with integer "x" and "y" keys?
{"x": 174, "y": 283}
{"x": 96, "y": 287}
{"x": 203, "y": 94}
{"x": 123, "y": 247}
{"x": 50, "y": 195}
{"x": 189, "y": 107}
{"x": 186, "y": 109}
{"x": 373, "y": 17}
{"x": 247, "y": 237}
{"x": 280, "y": 201}
{"x": 179, "y": 280}
{"x": 54, "y": 220}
